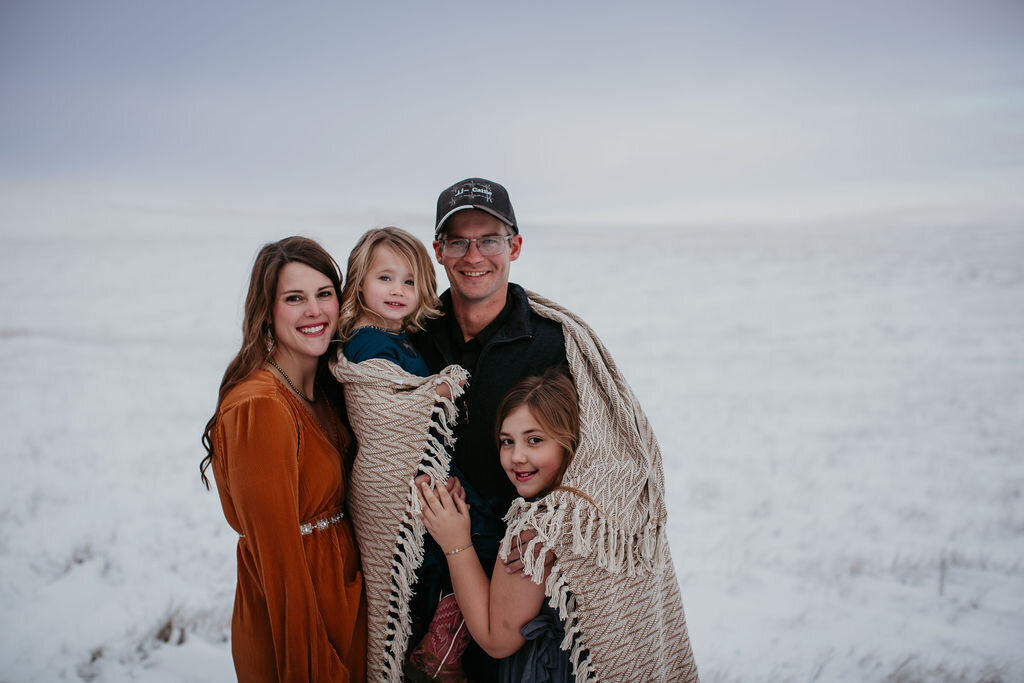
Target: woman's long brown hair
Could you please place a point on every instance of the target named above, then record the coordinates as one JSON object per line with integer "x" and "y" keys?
{"x": 259, "y": 306}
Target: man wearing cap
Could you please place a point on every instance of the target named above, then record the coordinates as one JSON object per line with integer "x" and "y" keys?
{"x": 488, "y": 328}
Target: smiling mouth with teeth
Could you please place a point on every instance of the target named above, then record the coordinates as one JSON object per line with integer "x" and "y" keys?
{"x": 316, "y": 329}
{"x": 521, "y": 476}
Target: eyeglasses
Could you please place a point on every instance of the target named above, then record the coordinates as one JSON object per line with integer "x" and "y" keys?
{"x": 488, "y": 245}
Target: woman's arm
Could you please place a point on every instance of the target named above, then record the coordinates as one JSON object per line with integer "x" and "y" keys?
{"x": 495, "y": 610}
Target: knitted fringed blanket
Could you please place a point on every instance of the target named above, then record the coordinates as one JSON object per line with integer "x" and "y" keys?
{"x": 613, "y": 582}
{"x": 391, "y": 413}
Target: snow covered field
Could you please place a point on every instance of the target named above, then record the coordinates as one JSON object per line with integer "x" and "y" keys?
{"x": 841, "y": 408}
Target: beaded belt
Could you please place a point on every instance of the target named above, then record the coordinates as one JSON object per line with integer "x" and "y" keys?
{"x": 319, "y": 525}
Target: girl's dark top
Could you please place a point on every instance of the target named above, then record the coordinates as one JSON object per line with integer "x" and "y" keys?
{"x": 369, "y": 342}
{"x": 540, "y": 659}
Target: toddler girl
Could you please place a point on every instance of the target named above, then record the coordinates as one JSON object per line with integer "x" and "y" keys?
{"x": 402, "y": 417}
{"x": 390, "y": 290}
{"x": 537, "y": 436}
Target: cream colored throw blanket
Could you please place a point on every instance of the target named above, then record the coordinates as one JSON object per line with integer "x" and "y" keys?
{"x": 613, "y": 580}
{"x": 391, "y": 412}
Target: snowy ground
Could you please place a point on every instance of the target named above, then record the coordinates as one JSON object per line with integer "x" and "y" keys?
{"x": 841, "y": 408}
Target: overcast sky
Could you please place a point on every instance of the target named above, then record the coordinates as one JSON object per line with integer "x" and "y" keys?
{"x": 665, "y": 111}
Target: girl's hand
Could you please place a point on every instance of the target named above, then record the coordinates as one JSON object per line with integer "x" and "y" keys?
{"x": 453, "y": 485}
{"x": 444, "y": 390}
{"x": 446, "y": 518}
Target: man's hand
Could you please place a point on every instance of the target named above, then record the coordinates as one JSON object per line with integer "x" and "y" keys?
{"x": 514, "y": 563}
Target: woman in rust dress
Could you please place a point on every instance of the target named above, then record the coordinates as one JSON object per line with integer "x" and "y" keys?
{"x": 278, "y": 453}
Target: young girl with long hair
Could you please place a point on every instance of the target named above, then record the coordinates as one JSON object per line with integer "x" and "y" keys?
{"x": 538, "y": 433}
{"x": 277, "y": 450}
{"x": 595, "y": 507}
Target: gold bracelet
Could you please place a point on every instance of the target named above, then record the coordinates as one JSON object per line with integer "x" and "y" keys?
{"x": 457, "y": 550}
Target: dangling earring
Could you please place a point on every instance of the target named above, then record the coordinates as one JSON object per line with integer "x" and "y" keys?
{"x": 270, "y": 339}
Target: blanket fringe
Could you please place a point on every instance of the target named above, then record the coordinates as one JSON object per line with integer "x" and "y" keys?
{"x": 563, "y": 513}
{"x": 564, "y": 601}
{"x": 591, "y": 532}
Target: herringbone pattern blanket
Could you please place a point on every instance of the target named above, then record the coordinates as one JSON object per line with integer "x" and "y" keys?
{"x": 392, "y": 412}
{"x": 613, "y": 580}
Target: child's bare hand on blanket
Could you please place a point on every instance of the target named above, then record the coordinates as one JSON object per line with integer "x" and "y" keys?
{"x": 453, "y": 485}
{"x": 446, "y": 518}
{"x": 445, "y": 391}
{"x": 514, "y": 563}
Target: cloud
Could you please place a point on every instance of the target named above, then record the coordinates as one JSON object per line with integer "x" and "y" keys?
{"x": 643, "y": 108}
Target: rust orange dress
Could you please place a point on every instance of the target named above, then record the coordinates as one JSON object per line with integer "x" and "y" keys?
{"x": 300, "y": 610}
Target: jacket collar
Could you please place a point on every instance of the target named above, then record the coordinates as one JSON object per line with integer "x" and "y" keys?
{"x": 513, "y": 322}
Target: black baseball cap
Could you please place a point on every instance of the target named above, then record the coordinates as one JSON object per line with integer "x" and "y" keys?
{"x": 475, "y": 193}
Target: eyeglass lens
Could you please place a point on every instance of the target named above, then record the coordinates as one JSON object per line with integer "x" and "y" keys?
{"x": 488, "y": 245}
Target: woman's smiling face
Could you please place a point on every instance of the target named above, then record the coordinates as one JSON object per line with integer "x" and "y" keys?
{"x": 305, "y": 311}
